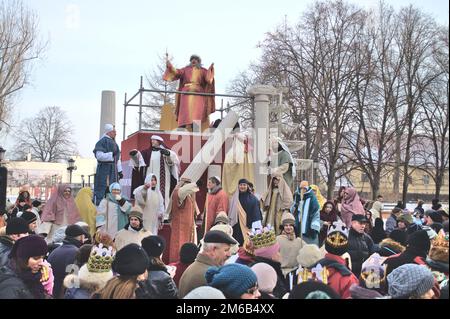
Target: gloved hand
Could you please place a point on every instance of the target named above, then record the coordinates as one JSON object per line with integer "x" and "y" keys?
{"x": 268, "y": 163}
{"x": 118, "y": 197}
{"x": 165, "y": 152}
{"x": 120, "y": 175}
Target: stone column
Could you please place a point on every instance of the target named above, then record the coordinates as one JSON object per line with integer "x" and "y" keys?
{"x": 211, "y": 148}
{"x": 262, "y": 95}
{"x": 108, "y": 110}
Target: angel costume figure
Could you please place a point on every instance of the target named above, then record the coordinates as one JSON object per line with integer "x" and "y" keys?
{"x": 150, "y": 199}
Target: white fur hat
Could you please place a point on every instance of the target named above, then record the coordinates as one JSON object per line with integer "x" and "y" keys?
{"x": 309, "y": 255}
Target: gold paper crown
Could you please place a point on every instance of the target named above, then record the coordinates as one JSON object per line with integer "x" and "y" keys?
{"x": 317, "y": 273}
{"x": 337, "y": 235}
{"x": 373, "y": 271}
{"x": 100, "y": 259}
{"x": 440, "y": 241}
{"x": 264, "y": 238}
{"x": 337, "y": 240}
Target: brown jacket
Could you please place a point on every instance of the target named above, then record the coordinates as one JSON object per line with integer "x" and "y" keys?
{"x": 194, "y": 275}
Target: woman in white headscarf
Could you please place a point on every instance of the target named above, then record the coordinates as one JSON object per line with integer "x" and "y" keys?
{"x": 149, "y": 198}
{"x": 115, "y": 208}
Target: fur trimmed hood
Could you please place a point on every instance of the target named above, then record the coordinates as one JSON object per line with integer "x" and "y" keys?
{"x": 87, "y": 280}
{"x": 389, "y": 247}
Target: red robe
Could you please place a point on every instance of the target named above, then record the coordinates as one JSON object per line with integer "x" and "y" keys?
{"x": 182, "y": 224}
{"x": 215, "y": 203}
{"x": 190, "y": 108}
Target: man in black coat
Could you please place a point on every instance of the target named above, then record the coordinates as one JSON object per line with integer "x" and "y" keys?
{"x": 16, "y": 228}
{"x": 360, "y": 245}
{"x": 64, "y": 255}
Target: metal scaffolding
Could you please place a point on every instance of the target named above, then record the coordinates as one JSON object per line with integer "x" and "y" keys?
{"x": 141, "y": 91}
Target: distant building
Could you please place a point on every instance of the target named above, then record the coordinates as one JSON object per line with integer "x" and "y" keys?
{"x": 421, "y": 185}
{"x": 42, "y": 177}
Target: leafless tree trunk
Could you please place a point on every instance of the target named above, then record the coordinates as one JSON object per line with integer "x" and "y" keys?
{"x": 373, "y": 142}
{"x": 151, "y": 116}
{"x": 435, "y": 109}
{"x": 19, "y": 47}
{"x": 416, "y": 39}
{"x": 48, "y": 136}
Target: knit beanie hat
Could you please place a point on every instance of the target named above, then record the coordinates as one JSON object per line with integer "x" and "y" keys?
{"x": 154, "y": 245}
{"x": 30, "y": 217}
{"x": 336, "y": 242}
{"x": 136, "y": 211}
{"x": 410, "y": 280}
{"x": 313, "y": 290}
{"x": 309, "y": 255}
{"x": 405, "y": 218}
{"x": 287, "y": 219}
{"x": 439, "y": 248}
{"x": 16, "y": 226}
{"x": 29, "y": 246}
{"x": 233, "y": 280}
{"x": 435, "y": 216}
{"x": 267, "y": 277}
{"x": 399, "y": 236}
{"x": 222, "y": 218}
{"x": 420, "y": 241}
{"x": 131, "y": 260}
{"x": 205, "y": 292}
{"x": 188, "y": 253}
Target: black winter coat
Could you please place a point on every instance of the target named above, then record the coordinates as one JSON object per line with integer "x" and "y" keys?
{"x": 360, "y": 247}
{"x": 159, "y": 284}
{"x": 11, "y": 286}
{"x": 60, "y": 258}
{"x": 6, "y": 244}
{"x": 409, "y": 256}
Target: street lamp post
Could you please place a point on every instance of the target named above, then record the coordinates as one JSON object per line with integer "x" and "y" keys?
{"x": 70, "y": 167}
{"x": 3, "y": 181}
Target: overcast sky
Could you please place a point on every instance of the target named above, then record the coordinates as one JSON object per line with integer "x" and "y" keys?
{"x": 108, "y": 44}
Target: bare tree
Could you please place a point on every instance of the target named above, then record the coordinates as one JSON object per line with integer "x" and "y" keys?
{"x": 151, "y": 116}
{"x": 416, "y": 39}
{"x": 19, "y": 47}
{"x": 48, "y": 136}
{"x": 373, "y": 142}
{"x": 435, "y": 110}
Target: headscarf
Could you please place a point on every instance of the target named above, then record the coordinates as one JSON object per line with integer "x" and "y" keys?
{"x": 115, "y": 186}
{"x": 352, "y": 204}
{"x": 57, "y": 203}
{"x": 319, "y": 196}
{"x": 284, "y": 191}
{"x": 284, "y": 147}
{"x": 86, "y": 208}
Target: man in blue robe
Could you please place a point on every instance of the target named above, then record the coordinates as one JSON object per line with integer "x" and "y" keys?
{"x": 109, "y": 168}
{"x": 306, "y": 211}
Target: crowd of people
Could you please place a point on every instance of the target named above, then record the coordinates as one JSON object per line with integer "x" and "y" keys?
{"x": 296, "y": 245}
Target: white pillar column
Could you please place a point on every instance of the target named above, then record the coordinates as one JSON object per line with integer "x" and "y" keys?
{"x": 262, "y": 95}
{"x": 108, "y": 110}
